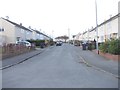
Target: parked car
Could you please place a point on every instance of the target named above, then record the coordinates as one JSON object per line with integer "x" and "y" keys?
{"x": 26, "y": 43}
{"x": 59, "y": 43}
{"x": 76, "y": 43}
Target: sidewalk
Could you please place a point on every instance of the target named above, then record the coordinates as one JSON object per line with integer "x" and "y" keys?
{"x": 99, "y": 61}
{"x": 20, "y": 58}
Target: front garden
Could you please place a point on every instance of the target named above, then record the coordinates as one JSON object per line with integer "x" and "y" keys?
{"x": 10, "y": 50}
{"x": 110, "y": 49}
{"x": 111, "y": 46}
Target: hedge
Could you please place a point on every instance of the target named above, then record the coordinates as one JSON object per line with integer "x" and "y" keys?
{"x": 111, "y": 46}
{"x": 104, "y": 47}
{"x": 36, "y": 42}
{"x": 114, "y": 47}
{"x": 39, "y": 42}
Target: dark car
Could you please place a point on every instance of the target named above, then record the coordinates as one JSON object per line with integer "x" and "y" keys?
{"x": 58, "y": 43}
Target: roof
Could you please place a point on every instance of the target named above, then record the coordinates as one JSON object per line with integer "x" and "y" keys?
{"x": 46, "y": 36}
{"x": 20, "y": 26}
{"x": 84, "y": 32}
{"x": 112, "y": 18}
{"x": 92, "y": 29}
{"x": 42, "y": 34}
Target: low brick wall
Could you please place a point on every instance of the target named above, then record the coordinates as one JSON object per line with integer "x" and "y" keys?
{"x": 11, "y": 50}
{"x": 108, "y": 55}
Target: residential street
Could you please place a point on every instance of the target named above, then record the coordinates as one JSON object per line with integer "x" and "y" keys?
{"x": 62, "y": 67}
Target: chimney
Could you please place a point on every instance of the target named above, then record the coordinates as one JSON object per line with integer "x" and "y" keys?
{"x": 110, "y": 16}
{"x": 92, "y": 27}
{"x": 20, "y": 24}
{"x": 7, "y": 17}
{"x": 29, "y": 27}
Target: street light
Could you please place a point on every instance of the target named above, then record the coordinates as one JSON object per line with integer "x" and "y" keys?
{"x": 96, "y": 27}
{"x": 52, "y": 34}
{"x": 69, "y": 35}
{"x": 40, "y": 32}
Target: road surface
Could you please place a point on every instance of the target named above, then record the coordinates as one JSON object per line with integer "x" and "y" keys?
{"x": 58, "y": 67}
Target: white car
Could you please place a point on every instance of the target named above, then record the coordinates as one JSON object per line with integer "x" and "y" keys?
{"x": 26, "y": 43}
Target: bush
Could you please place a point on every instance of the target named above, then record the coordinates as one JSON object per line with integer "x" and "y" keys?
{"x": 112, "y": 46}
{"x": 104, "y": 47}
{"x": 36, "y": 42}
{"x": 90, "y": 46}
{"x": 51, "y": 42}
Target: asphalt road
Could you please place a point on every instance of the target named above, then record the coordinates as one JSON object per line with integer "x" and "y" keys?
{"x": 58, "y": 67}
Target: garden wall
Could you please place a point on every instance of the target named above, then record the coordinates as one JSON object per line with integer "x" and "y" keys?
{"x": 108, "y": 55}
{"x": 11, "y": 50}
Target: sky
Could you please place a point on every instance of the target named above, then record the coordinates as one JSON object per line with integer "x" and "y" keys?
{"x": 55, "y": 17}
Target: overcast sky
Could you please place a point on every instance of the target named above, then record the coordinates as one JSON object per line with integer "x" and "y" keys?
{"x": 56, "y": 16}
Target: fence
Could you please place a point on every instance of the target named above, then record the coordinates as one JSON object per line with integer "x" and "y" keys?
{"x": 11, "y": 50}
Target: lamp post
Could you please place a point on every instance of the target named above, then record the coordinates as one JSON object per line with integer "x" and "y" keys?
{"x": 53, "y": 34}
{"x": 40, "y": 34}
{"x": 69, "y": 35}
{"x": 96, "y": 27}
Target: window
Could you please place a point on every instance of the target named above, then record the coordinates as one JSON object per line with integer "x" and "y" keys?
{"x": 109, "y": 26}
{"x": 102, "y": 38}
{"x": 22, "y": 31}
{"x": 1, "y": 29}
{"x": 18, "y": 38}
{"x": 27, "y": 32}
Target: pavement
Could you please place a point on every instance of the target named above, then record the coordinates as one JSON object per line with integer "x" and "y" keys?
{"x": 8, "y": 62}
{"x": 98, "y": 61}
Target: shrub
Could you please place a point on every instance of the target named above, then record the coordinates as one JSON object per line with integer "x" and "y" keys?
{"x": 90, "y": 46}
{"x": 114, "y": 47}
{"x": 104, "y": 47}
{"x": 36, "y": 42}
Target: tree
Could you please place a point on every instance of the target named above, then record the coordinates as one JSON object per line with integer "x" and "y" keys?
{"x": 63, "y": 37}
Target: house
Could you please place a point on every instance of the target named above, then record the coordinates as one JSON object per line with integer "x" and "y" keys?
{"x": 13, "y": 32}
{"x": 37, "y": 35}
{"x": 85, "y": 36}
{"x": 92, "y": 34}
{"x": 107, "y": 30}
{"x": 119, "y": 19}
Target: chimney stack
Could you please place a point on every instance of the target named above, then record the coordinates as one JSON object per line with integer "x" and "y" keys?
{"x": 20, "y": 24}
{"x": 7, "y": 17}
